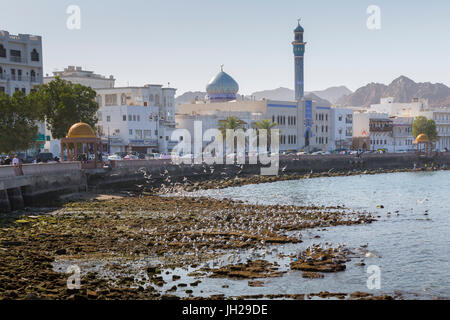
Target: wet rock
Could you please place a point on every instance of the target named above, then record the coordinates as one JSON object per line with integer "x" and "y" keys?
{"x": 312, "y": 275}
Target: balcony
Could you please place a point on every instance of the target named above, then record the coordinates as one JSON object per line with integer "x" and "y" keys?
{"x": 36, "y": 79}
{"x": 381, "y": 129}
{"x": 143, "y": 142}
{"x": 17, "y": 59}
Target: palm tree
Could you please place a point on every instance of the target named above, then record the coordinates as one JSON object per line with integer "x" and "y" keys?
{"x": 266, "y": 125}
{"x": 232, "y": 123}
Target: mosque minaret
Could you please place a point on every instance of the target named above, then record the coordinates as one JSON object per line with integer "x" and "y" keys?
{"x": 299, "y": 53}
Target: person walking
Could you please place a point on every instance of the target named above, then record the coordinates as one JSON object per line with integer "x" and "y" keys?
{"x": 17, "y": 163}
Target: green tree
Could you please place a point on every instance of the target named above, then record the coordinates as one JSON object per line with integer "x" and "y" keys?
{"x": 62, "y": 103}
{"x": 266, "y": 125}
{"x": 18, "y": 123}
{"x": 423, "y": 125}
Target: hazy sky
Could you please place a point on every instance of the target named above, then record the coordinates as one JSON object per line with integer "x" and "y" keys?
{"x": 184, "y": 42}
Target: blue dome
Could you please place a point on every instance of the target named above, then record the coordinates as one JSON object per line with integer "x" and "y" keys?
{"x": 222, "y": 83}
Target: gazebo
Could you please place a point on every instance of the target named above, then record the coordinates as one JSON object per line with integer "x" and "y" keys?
{"x": 423, "y": 143}
{"x": 82, "y": 144}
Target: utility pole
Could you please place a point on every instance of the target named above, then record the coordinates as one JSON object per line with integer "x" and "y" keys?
{"x": 109, "y": 142}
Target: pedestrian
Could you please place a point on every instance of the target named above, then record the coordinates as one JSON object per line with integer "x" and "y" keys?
{"x": 415, "y": 166}
{"x": 17, "y": 163}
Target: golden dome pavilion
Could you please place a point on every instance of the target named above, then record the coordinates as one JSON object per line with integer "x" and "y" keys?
{"x": 81, "y": 130}
{"x": 422, "y": 138}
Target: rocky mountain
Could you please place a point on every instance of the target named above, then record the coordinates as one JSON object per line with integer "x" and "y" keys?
{"x": 321, "y": 102}
{"x": 284, "y": 94}
{"x": 402, "y": 89}
{"x": 189, "y": 96}
{"x": 333, "y": 94}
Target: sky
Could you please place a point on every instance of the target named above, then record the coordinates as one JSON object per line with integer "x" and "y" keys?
{"x": 184, "y": 42}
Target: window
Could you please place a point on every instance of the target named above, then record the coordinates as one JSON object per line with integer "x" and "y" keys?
{"x": 34, "y": 55}
{"x": 33, "y": 76}
{"x": 99, "y": 100}
{"x": 130, "y": 132}
{"x": 15, "y": 55}
{"x": 124, "y": 117}
{"x": 147, "y": 134}
{"x": 2, "y": 89}
{"x": 134, "y": 117}
{"x": 157, "y": 99}
{"x": 156, "y": 132}
{"x": 139, "y": 134}
{"x": 130, "y": 117}
{"x": 2, "y": 51}
{"x": 110, "y": 99}
{"x": 151, "y": 98}
{"x": 138, "y": 118}
{"x": 108, "y": 118}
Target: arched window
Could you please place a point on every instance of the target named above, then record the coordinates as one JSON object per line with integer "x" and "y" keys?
{"x": 33, "y": 75}
{"x": 34, "y": 55}
{"x": 151, "y": 98}
{"x": 123, "y": 99}
{"x": 2, "y": 51}
{"x": 157, "y": 99}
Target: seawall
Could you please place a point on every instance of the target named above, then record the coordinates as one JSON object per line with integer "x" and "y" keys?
{"x": 43, "y": 184}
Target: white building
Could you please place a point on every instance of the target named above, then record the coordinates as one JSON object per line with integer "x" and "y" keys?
{"x": 21, "y": 68}
{"x": 137, "y": 119}
{"x": 402, "y": 134}
{"x": 419, "y": 107}
{"x": 302, "y": 124}
{"x": 342, "y": 127}
{"x": 20, "y": 62}
{"x": 84, "y": 77}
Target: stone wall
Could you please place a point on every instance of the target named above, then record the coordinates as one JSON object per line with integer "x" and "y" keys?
{"x": 126, "y": 174}
{"x": 40, "y": 184}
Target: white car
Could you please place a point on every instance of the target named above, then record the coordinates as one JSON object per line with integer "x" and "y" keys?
{"x": 130, "y": 157}
{"x": 114, "y": 157}
{"x": 165, "y": 156}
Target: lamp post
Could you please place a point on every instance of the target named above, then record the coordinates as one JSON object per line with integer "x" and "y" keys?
{"x": 109, "y": 142}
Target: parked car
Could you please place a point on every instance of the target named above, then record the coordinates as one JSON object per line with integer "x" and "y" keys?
{"x": 45, "y": 156}
{"x": 130, "y": 157}
{"x": 165, "y": 156}
{"x": 114, "y": 157}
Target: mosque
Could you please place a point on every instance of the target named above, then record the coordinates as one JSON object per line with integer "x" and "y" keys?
{"x": 303, "y": 124}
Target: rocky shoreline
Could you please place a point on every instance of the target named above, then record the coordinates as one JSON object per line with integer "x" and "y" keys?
{"x": 163, "y": 187}
{"x": 129, "y": 247}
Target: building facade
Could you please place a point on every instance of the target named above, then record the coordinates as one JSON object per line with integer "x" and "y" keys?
{"x": 419, "y": 107}
{"x": 21, "y": 70}
{"x": 303, "y": 123}
{"x": 137, "y": 119}
{"x": 342, "y": 127}
{"x": 20, "y": 62}
{"x": 84, "y": 77}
